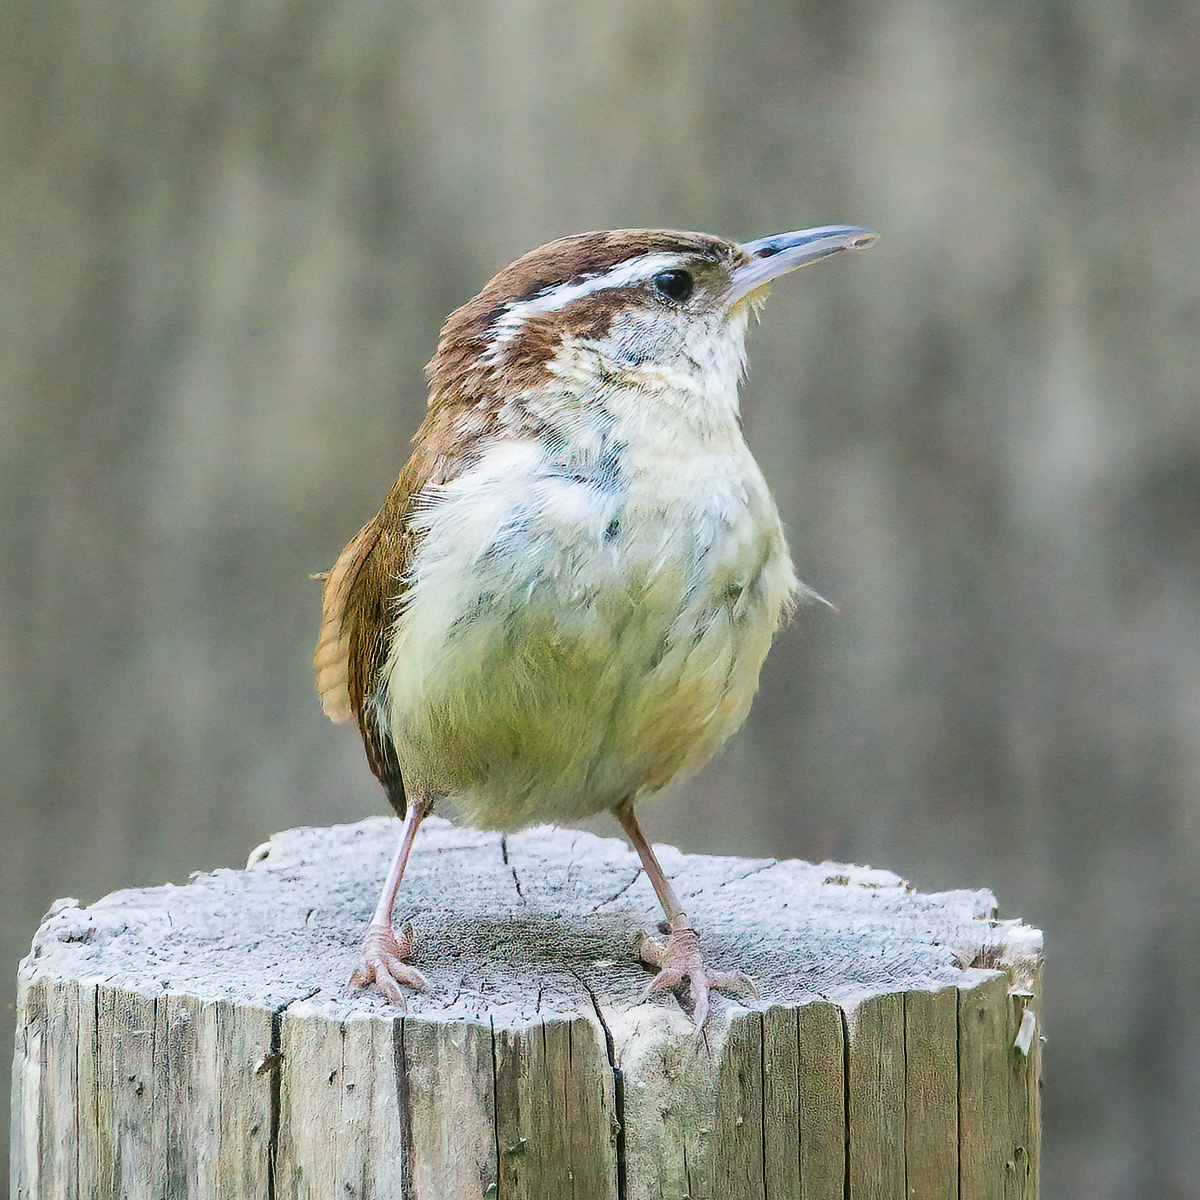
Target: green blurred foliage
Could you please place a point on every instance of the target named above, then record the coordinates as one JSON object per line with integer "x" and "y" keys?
{"x": 228, "y": 234}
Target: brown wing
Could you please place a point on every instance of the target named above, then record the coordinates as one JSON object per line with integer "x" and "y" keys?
{"x": 332, "y": 657}
{"x": 362, "y": 592}
{"x": 364, "y": 588}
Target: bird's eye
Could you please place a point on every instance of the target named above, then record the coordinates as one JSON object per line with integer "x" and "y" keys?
{"x": 676, "y": 286}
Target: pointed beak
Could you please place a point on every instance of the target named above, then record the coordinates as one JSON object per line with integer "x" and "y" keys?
{"x": 780, "y": 253}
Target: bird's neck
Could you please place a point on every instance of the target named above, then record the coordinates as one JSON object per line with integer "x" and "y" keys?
{"x": 684, "y": 387}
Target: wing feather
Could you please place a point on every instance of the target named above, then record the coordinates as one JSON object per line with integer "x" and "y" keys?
{"x": 363, "y": 592}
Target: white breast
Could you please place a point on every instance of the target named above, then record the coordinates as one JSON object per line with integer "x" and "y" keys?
{"x": 588, "y": 613}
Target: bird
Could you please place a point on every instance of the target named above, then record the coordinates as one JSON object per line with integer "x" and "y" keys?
{"x": 568, "y": 594}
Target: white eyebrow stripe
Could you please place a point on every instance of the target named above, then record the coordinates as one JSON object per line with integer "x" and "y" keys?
{"x": 627, "y": 274}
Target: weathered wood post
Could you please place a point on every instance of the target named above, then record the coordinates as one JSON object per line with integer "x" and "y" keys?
{"x": 201, "y": 1041}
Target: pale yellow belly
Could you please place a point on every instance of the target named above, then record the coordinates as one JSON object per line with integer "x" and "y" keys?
{"x": 536, "y": 719}
{"x": 545, "y": 667}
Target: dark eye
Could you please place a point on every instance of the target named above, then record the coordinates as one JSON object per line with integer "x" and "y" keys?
{"x": 676, "y": 286}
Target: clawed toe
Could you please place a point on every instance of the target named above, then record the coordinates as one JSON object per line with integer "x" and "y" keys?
{"x": 383, "y": 964}
{"x": 682, "y": 972}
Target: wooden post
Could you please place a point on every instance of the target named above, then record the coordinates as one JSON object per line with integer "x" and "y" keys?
{"x": 201, "y": 1041}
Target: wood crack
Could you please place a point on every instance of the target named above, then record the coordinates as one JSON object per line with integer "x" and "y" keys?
{"x": 274, "y": 1063}
{"x": 495, "y": 1107}
{"x": 511, "y": 866}
{"x": 619, "y": 892}
{"x": 618, "y": 1088}
{"x": 904, "y": 1115}
{"x": 404, "y": 1106}
{"x": 762, "y": 1095}
{"x": 958, "y": 1063}
{"x": 757, "y": 869}
{"x": 846, "y": 1099}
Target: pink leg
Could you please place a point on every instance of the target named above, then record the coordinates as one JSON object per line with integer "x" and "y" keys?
{"x": 654, "y": 872}
{"x": 680, "y": 959}
{"x": 383, "y": 953}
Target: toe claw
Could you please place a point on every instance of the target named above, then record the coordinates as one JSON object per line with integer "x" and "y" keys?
{"x": 383, "y": 964}
{"x": 664, "y": 981}
{"x": 650, "y": 950}
{"x": 733, "y": 981}
{"x": 680, "y": 960}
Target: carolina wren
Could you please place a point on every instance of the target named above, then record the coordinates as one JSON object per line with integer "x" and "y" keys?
{"x": 568, "y": 594}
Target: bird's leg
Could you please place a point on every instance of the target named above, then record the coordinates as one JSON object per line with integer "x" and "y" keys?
{"x": 681, "y": 965}
{"x": 383, "y": 954}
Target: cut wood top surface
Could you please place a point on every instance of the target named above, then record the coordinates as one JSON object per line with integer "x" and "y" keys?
{"x": 519, "y": 928}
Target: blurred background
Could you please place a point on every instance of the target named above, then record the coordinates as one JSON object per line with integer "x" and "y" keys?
{"x": 229, "y": 232}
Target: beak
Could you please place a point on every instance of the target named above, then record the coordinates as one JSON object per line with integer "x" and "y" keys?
{"x": 780, "y": 253}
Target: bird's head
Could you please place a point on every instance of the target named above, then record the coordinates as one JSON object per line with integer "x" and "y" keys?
{"x": 650, "y": 309}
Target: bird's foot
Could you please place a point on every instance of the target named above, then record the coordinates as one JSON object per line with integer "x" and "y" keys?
{"x": 383, "y": 964}
{"x": 682, "y": 971}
